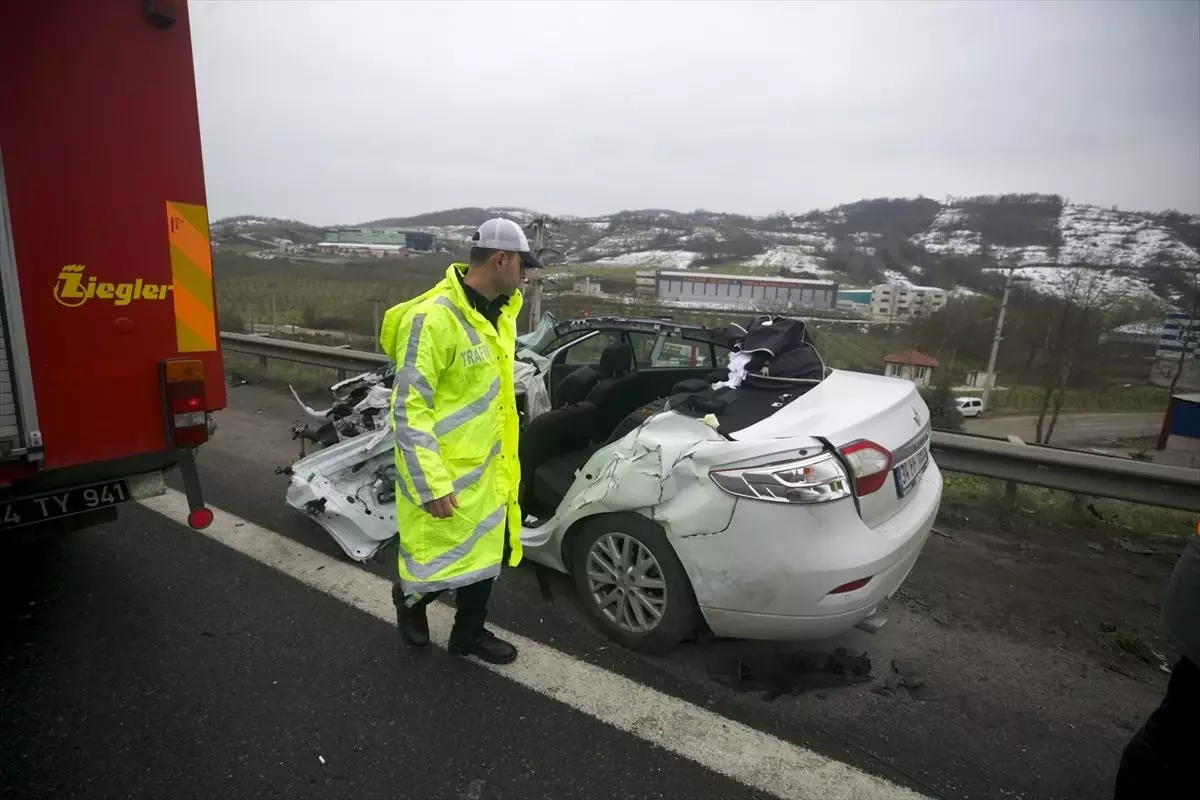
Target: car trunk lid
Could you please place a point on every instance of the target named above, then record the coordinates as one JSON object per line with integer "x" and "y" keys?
{"x": 851, "y": 407}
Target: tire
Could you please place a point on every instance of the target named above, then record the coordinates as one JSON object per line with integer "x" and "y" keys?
{"x": 629, "y": 620}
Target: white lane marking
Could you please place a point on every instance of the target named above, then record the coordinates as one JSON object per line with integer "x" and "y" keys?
{"x": 730, "y": 748}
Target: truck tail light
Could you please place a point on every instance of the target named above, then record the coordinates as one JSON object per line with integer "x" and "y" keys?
{"x": 183, "y": 385}
{"x": 870, "y": 463}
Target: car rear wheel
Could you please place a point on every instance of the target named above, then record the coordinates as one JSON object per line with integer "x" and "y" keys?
{"x": 632, "y": 583}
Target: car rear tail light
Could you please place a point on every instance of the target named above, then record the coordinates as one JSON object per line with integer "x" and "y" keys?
{"x": 870, "y": 464}
{"x": 183, "y": 386}
{"x": 817, "y": 479}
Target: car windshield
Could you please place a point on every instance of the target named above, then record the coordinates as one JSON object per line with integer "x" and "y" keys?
{"x": 540, "y": 336}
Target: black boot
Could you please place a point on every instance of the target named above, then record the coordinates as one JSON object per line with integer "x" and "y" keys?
{"x": 484, "y": 646}
{"x": 413, "y": 623}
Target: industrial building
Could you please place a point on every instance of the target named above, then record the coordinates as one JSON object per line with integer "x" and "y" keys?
{"x": 857, "y": 301}
{"x": 744, "y": 290}
{"x": 415, "y": 241}
{"x": 359, "y": 250}
{"x": 902, "y": 302}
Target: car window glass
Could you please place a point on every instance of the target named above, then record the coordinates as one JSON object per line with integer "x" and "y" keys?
{"x": 589, "y": 350}
{"x": 687, "y": 352}
{"x": 643, "y": 347}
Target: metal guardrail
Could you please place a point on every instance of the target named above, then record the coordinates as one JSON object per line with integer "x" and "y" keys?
{"x": 315, "y": 355}
{"x": 1068, "y": 470}
{"x": 1031, "y": 464}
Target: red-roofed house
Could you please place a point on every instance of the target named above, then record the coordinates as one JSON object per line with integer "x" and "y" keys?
{"x": 911, "y": 365}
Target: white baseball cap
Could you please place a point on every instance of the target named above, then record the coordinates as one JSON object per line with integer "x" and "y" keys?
{"x": 506, "y": 235}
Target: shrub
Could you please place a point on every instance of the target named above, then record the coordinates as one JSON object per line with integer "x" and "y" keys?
{"x": 943, "y": 412}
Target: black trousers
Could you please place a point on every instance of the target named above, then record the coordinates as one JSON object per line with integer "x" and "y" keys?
{"x": 471, "y": 602}
{"x": 1159, "y": 761}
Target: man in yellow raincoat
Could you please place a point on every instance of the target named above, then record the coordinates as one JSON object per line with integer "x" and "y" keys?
{"x": 455, "y": 425}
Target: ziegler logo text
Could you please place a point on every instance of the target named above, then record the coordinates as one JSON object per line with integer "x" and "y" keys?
{"x": 73, "y": 290}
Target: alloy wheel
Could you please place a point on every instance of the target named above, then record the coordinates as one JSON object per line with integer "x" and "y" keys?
{"x": 626, "y": 583}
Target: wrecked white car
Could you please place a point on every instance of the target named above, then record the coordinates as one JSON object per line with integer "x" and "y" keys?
{"x": 686, "y": 476}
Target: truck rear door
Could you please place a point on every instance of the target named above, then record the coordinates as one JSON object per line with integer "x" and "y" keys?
{"x": 104, "y": 253}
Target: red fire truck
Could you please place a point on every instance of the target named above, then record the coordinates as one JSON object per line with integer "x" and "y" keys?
{"x": 110, "y": 362}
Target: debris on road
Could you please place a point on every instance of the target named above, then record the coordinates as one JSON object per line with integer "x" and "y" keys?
{"x": 778, "y": 674}
{"x": 1128, "y": 644}
{"x": 1130, "y": 546}
{"x": 904, "y": 676}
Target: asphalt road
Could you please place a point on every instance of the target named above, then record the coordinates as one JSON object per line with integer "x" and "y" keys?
{"x": 1072, "y": 429}
{"x": 142, "y": 659}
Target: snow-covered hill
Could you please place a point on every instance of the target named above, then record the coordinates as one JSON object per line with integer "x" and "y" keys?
{"x": 960, "y": 243}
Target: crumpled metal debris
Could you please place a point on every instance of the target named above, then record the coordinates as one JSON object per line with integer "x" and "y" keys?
{"x": 361, "y": 403}
{"x": 777, "y": 674}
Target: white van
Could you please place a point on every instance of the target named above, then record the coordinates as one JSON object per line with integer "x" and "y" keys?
{"x": 969, "y": 406}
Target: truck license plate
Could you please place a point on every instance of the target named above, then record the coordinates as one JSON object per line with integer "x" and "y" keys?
{"x": 909, "y": 470}
{"x": 32, "y": 510}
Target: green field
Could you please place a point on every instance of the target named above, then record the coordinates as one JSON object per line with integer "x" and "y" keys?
{"x": 340, "y": 298}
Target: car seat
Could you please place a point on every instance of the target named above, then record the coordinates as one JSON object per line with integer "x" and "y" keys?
{"x": 616, "y": 396}
{"x": 574, "y": 387}
{"x": 548, "y": 440}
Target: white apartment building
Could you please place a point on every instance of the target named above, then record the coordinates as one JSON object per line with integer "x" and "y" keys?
{"x": 902, "y": 302}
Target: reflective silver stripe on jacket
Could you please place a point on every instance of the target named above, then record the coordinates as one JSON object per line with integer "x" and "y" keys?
{"x": 407, "y": 437}
{"x": 468, "y": 479}
{"x": 472, "y": 334}
{"x": 466, "y": 579}
{"x": 468, "y": 412}
{"x": 430, "y": 568}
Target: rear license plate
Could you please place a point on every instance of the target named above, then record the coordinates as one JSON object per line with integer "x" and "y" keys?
{"x": 69, "y": 502}
{"x": 910, "y": 470}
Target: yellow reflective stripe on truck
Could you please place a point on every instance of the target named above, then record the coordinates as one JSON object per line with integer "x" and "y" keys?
{"x": 191, "y": 272}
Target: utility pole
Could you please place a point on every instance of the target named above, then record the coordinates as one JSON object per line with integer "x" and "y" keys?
{"x": 989, "y": 377}
{"x": 537, "y": 226}
{"x": 375, "y": 301}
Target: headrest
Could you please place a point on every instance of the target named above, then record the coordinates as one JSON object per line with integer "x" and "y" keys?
{"x": 617, "y": 358}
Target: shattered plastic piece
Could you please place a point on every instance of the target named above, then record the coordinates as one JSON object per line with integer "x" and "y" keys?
{"x": 711, "y": 421}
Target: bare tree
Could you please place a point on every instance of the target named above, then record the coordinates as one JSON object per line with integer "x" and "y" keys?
{"x": 1086, "y": 305}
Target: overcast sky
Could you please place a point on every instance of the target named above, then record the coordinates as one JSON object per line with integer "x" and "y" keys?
{"x": 339, "y": 111}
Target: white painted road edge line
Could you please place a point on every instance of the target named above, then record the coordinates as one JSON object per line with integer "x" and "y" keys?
{"x": 730, "y": 748}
